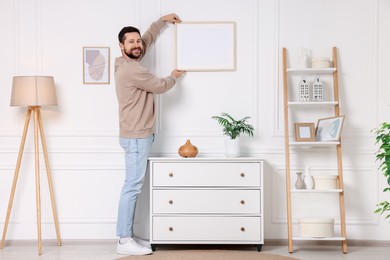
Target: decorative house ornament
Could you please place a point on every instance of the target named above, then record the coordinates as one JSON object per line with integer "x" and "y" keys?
{"x": 188, "y": 150}
{"x": 304, "y": 91}
{"x": 317, "y": 90}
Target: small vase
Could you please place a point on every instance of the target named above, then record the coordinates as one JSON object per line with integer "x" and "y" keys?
{"x": 299, "y": 184}
{"x": 308, "y": 179}
{"x": 232, "y": 147}
{"x": 188, "y": 150}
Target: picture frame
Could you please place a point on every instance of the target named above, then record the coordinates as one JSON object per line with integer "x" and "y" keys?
{"x": 96, "y": 65}
{"x": 304, "y": 132}
{"x": 205, "y": 46}
{"x": 329, "y": 129}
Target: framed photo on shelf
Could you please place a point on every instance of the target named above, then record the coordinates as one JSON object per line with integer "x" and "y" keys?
{"x": 304, "y": 132}
{"x": 96, "y": 65}
{"x": 329, "y": 129}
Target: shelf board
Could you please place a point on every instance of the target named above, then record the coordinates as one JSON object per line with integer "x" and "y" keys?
{"x": 325, "y": 143}
{"x": 320, "y": 238}
{"x": 316, "y": 191}
{"x": 319, "y": 103}
{"x": 311, "y": 70}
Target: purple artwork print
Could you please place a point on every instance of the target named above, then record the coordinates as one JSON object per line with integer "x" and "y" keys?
{"x": 96, "y": 64}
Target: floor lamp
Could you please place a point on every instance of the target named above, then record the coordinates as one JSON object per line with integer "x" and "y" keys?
{"x": 33, "y": 92}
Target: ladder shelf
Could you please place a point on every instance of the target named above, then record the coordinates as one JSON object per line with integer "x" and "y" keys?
{"x": 296, "y": 145}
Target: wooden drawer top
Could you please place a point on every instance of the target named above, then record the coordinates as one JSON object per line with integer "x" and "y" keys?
{"x": 205, "y": 159}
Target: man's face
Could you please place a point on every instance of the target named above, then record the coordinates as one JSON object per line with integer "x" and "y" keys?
{"x": 132, "y": 45}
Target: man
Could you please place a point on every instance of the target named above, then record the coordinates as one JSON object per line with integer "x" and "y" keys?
{"x": 135, "y": 87}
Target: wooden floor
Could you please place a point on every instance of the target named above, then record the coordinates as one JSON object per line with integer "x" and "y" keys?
{"x": 105, "y": 250}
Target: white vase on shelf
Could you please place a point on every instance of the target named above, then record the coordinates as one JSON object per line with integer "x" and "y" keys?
{"x": 308, "y": 179}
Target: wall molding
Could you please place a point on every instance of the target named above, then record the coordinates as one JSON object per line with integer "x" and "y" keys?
{"x": 373, "y": 13}
{"x": 78, "y": 220}
{"x": 253, "y": 91}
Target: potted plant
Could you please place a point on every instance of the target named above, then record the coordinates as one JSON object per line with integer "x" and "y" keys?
{"x": 233, "y": 129}
{"x": 383, "y": 156}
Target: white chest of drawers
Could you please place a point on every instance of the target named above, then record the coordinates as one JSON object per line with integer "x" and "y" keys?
{"x": 206, "y": 201}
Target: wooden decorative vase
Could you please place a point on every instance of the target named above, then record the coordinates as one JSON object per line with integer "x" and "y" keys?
{"x": 188, "y": 150}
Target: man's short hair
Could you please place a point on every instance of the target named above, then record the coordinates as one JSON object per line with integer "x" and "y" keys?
{"x": 127, "y": 29}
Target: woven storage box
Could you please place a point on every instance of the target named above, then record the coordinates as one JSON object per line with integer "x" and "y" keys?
{"x": 325, "y": 182}
{"x": 318, "y": 63}
{"x": 316, "y": 227}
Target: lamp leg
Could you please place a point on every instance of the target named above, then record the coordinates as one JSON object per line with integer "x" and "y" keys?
{"x": 49, "y": 179}
{"x": 37, "y": 179}
{"x": 16, "y": 175}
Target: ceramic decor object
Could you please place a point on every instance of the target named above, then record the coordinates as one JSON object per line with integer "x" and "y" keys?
{"x": 299, "y": 184}
{"x": 188, "y": 150}
{"x": 308, "y": 179}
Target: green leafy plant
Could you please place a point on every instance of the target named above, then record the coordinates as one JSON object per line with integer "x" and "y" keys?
{"x": 383, "y": 156}
{"x": 232, "y": 127}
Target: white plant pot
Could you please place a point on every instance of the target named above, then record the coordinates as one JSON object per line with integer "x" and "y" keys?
{"x": 232, "y": 147}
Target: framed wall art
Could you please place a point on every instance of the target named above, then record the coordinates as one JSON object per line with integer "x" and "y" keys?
{"x": 304, "y": 132}
{"x": 329, "y": 129}
{"x": 96, "y": 65}
{"x": 206, "y": 46}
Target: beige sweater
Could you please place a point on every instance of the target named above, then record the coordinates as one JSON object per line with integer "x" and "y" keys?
{"x": 135, "y": 87}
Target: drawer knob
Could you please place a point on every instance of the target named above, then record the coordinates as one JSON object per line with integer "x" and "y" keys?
{"x": 242, "y": 174}
{"x": 242, "y": 202}
{"x": 171, "y": 229}
{"x": 242, "y": 229}
{"x": 171, "y": 202}
{"x": 170, "y": 174}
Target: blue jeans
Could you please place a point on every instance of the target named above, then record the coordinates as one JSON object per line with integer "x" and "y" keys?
{"x": 136, "y": 158}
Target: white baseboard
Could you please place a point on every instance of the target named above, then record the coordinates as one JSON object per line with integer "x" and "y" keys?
{"x": 267, "y": 242}
{"x": 350, "y": 242}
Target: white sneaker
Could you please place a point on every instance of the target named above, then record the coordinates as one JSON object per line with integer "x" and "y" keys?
{"x": 132, "y": 248}
{"x": 142, "y": 242}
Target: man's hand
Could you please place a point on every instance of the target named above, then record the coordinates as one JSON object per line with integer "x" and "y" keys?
{"x": 177, "y": 73}
{"x": 171, "y": 18}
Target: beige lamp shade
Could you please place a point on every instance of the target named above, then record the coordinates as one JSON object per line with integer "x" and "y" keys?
{"x": 33, "y": 91}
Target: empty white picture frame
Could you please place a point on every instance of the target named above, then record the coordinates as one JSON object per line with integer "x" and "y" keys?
{"x": 206, "y": 46}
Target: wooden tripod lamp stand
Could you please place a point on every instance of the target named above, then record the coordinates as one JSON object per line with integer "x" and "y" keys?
{"x": 33, "y": 92}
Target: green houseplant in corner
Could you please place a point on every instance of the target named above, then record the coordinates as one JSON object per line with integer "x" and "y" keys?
{"x": 233, "y": 129}
{"x": 383, "y": 156}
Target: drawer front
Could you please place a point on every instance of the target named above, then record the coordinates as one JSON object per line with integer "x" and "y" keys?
{"x": 206, "y": 201}
{"x": 206, "y": 174}
{"x": 207, "y": 228}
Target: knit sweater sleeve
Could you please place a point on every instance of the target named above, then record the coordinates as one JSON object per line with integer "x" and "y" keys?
{"x": 147, "y": 81}
{"x": 132, "y": 73}
{"x": 149, "y": 37}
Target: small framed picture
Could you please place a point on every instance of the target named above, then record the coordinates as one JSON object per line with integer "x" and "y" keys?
{"x": 329, "y": 129}
{"x": 96, "y": 65}
{"x": 304, "y": 132}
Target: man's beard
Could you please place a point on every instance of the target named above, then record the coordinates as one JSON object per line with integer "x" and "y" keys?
{"x": 132, "y": 56}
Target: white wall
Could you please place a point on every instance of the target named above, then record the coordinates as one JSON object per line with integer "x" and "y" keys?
{"x": 46, "y": 37}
